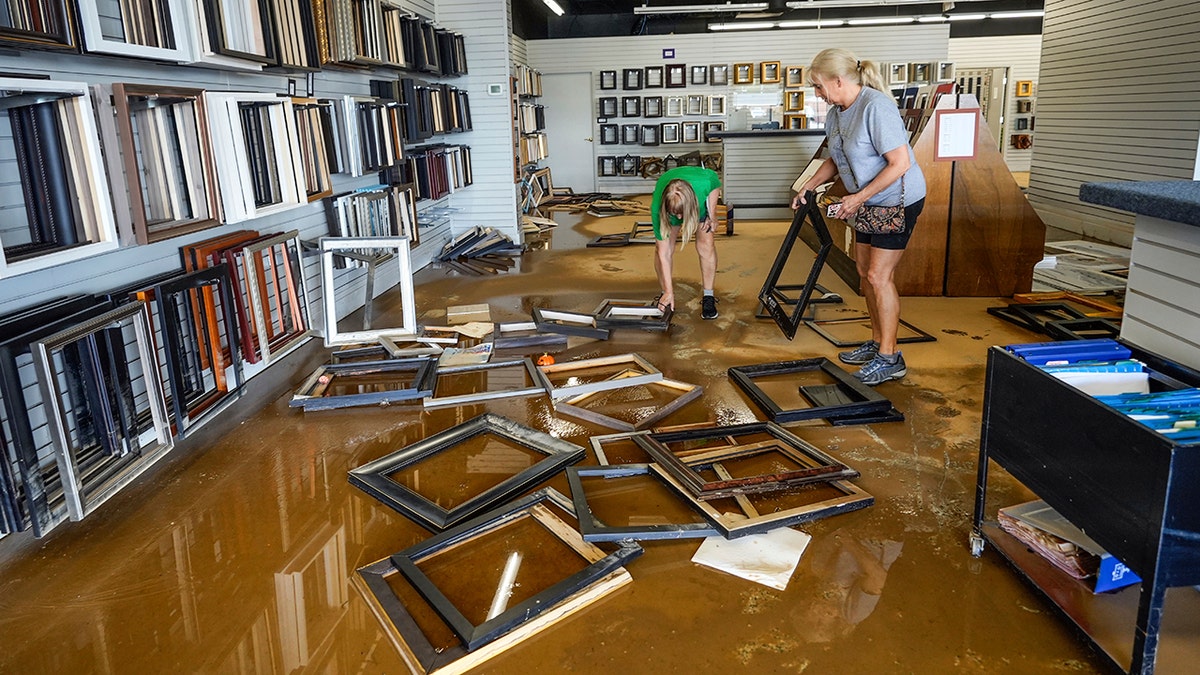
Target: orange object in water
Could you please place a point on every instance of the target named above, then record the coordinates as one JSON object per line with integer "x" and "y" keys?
{"x": 545, "y": 360}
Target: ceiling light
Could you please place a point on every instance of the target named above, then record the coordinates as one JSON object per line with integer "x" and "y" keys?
{"x": 744, "y": 25}
{"x": 965, "y": 17}
{"x": 932, "y": 18}
{"x": 1017, "y": 15}
{"x": 691, "y": 9}
{"x": 554, "y": 7}
{"x": 876, "y": 21}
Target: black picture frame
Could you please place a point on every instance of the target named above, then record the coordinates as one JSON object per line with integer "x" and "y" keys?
{"x": 610, "y": 134}
{"x": 652, "y": 106}
{"x": 676, "y": 76}
{"x": 772, "y": 295}
{"x": 631, "y": 106}
{"x": 631, "y": 79}
{"x": 631, "y": 134}
{"x": 818, "y": 324}
{"x": 594, "y": 530}
{"x": 474, "y": 635}
{"x": 532, "y": 386}
{"x": 718, "y": 74}
{"x": 373, "y": 477}
{"x": 524, "y": 334}
{"x": 565, "y": 322}
{"x": 653, "y": 78}
{"x": 607, "y": 106}
{"x": 699, "y": 74}
{"x": 650, "y": 134}
{"x": 847, "y": 397}
{"x": 608, "y": 79}
{"x": 1083, "y": 329}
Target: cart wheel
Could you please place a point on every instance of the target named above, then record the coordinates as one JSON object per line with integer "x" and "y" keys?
{"x": 976, "y": 545}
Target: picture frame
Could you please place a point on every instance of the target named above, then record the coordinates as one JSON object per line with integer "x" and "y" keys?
{"x": 524, "y": 334}
{"x": 608, "y": 79}
{"x": 619, "y": 448}
{"x": 716, "y": 104}
{"x": 945, "y": 71}
{"x": 528, "y": 509}
{"x": 897, "y": 74}
{"x": 652, "y": 106}
{"x": 844, "y": 397}
{"x": 674, "y": 106}
{"x": 627, "y": 165}
{"x": 631, "y": 78}
{"x": 631, "y": 106}
{"x": 690, "y": 132}
{"x": 793, "y": 100}
{"x": 663, "y": 398}
{"x": 606, "y": 166}
{"x": 610, "y": 134}
{"x": 795, "y": 121}
{"x": 408, "y": 380}
{"x": 643, "y": 314}
{"x": 773, "y": 295}
{"x": 920, "y": 73}
{"x": 676, "y": 75}
{"x": 278, "y": 294}
{"x": 699, "y": 75}
{"x": 572, "y": 378}
{"x": 595, "y": 530}
{"x": 793, "y": 76}
{"x": 390, "y": 249}
{"x": 650, "y": 134}
{"x": 711, "y": 128}
{"x": 770, "y": 72}
{"x": 1024, "y": 88}
{"x": 576, "y": 323}
{"x": 743, "y": 73}
{"x": 653, "y": 78}
{"x": 695, "y": 104}
{"x": 631, "y": 134}
{"x": 607, "y": 106}
{"x": 670, "y": 132}
{"x": 718, "y": 74}
{"x": 396, "y": 479}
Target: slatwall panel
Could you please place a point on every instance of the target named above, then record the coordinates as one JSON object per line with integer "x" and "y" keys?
{"x": 1117, "y": 98}
{"x": 1020, "y": 54}
{"x": 791, "y": 47}
{"x": 491, "y": 201}
{"x": 1160, "y": 312}
{"x": 762, "y": 170}
{"x": 517, "y": 52}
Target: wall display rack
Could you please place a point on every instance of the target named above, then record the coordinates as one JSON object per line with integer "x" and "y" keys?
{"x": 375, "y": 211}
{"x": 295, "y": 37}
{"x": 373, "y": 140}
{"x": 62, "y": 210}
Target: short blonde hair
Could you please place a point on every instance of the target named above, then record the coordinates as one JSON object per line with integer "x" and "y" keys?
{"x": 836, "y": 62}
{"x": 679, "y": 197}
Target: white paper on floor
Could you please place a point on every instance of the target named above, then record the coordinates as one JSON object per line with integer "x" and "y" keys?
{"x": 768, "y": 559}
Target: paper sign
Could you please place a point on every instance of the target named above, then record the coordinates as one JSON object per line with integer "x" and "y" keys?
{"x": 955, "y": 133}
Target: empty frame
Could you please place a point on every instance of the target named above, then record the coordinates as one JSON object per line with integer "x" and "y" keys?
{"x": 257, "y": 163}
{"x": 782, "y": 275}
{"x": 379, "y": 251}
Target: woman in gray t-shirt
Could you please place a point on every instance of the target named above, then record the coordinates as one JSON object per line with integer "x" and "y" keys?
{"x": 868, "y": 147}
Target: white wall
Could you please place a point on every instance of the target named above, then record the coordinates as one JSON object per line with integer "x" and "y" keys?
{"x": 926, "y": 42}
{"x": 1020, "y": 54}
{"x": 1117, "y": 99}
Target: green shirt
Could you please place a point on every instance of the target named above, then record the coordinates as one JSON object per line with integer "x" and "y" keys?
{"x": 703, "y": 182}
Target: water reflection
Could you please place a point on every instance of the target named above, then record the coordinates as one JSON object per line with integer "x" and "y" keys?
{"x": 850, "y": 575}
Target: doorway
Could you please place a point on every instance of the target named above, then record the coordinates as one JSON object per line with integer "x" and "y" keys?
{"x": 568, "y": 101}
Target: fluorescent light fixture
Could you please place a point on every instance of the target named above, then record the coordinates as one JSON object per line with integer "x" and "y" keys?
{"x": 809, "y": 24}
{"x": 965, "y": 17}
{"x": 932, "y": 18}
{"x": 554, "y": 7}
{"x": 689, "y": 9}
{"x": 1017, "y": 15}
{"x": 877, "y": 21}
{"x": 745, "y": 25}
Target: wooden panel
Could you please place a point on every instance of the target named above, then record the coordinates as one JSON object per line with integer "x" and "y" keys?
{"x": 922, "y": 270}
{"x": 1021, "y": 55}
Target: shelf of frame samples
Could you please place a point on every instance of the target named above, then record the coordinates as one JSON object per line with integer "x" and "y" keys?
{"x": 282, "y": 150}
{"x": 915, "y": 84}
{"x": 1021, "y": 137}
{"x": 529, "y": 120}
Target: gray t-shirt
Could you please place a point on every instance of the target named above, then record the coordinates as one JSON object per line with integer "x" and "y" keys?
{"x": 858, "y": 138}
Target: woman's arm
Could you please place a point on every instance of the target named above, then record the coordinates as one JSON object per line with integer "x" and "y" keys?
{"x": 897, "y": 164}
{"x": 823, "y": 175}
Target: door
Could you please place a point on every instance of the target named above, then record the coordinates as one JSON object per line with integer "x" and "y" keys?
{"x": 568, "y": 101}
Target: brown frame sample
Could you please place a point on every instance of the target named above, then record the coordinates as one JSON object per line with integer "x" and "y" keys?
{"x": 793, "y": 76}
{"x": 676, "y": 76}
{"x": 770, "y": 72}
{"x": 743, "y": 73}
{"x": 793, "y": 100}
{"x": 576, "y": 406}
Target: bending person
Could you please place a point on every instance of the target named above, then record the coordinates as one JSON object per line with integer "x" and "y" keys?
{"x": 868, "y": 147}
{"x": 683, "y": 203}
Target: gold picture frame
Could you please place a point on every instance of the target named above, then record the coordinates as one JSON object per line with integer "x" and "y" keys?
{"x": 795, "y": 121}
{"x": 793, "y": 76}
{"x": 1024, "y": 87}
{"x": 743, "y": 73}
{"x": 769, "y": 72}
{"x": 793, "y": 100}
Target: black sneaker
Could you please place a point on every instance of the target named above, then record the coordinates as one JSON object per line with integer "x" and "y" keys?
{"x": 708, "y": 307}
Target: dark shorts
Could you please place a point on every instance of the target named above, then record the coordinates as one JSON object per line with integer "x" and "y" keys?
{"x": 898, "y": 241}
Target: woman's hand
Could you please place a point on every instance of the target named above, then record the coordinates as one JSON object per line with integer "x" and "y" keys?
{"x": 850, "y": 206}
{"x": 709, "y": 224}
{"x": 798, "y": 201}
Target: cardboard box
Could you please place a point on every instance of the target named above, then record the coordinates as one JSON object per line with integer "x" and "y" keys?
{"x": 457, "y": 314}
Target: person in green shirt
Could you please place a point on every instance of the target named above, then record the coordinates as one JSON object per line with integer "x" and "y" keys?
{"x": 683, "y": 203}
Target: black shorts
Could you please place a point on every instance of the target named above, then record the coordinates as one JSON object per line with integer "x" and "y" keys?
{"x": 899, "y": 240}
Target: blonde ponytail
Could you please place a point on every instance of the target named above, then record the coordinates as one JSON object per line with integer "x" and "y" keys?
{"x": 837, "y": 62}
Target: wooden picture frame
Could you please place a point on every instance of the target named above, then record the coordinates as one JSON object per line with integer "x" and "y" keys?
{"x": 676, "y": 75}
{"x": 154, "y": 30}
{"x": 530, "y": 386}
{"x": 631, "y": 106}
{"x": 643, "y": 314}
{"x": 795, "y": 121}
{"x": 718, "y": 74}
{"x": 920, "y": 72}
{"x": 627, "y": 165}
{"x": 379, "y": 583}
{"x": 699, "y": 75}
{"x": 604, "y": 446}
{"x": 258, "y": 171}
{"x": 907, "y": 334}
{"x": 607, "y": 106}
{"x": 793, "y": 76}
{"x": 770, "y": 72}
{"x": 475, "y": 635}
{"x": 690, "y": 132}
{"x": 772, "y": 295}
{"x": 712, "y": 128}
{"x": 608, "y": 79}
{"x": 631, "y": 79}
{"x": 652, "y": 106}
{"x": 945, "y": 71}
{"x": 845, "y": 397}
{"x": 674, "y": 106}
{"x": 762, "y": 512}
{"x": 572, "y": 323}
{"x": 377, "y": 477}
{"x": 702, "y": 469}
{"x": 415, "y": 376}
{"x": 607, "y": 365}
{"x": 387, "y": 249}
{"x": 1024, "y": 88}
{"x": 606, "y": 166}
{"x": 278, "y": 308}
{"x": 743, "y": 73}
{"x": 653, "y": 78}
{"x": 716, "y": 105}
{"x": 594, "y": 530}
{"x": 522, "y": 335}
{"x": 670, "y": 132}
{"x": 578, "y": 406}
{"x": 793, "y": 100}
{"x": 897, "y": 74}
{"x": 694, "y": 104}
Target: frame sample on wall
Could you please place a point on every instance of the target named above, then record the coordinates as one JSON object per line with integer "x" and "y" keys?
{"x": 472, "y": 384}
{"x": 450, "y": 476}
{"x": 258, "y": 163}
{"x": 716, "y": 104}
{"x": 113, "y": 356}
{"x": 793, "y": 100}
{"x": 347, "y": 385}
{"x": 795, "y": 121}
{"x": 631, "y": 78}
{"x": 57, "y": 208}
{"x": 652, "y": 106}
{"x": 34, "y": 24}
{"x": 153, "y": 29}
{"x": 772, "y": 295}
{"x": 760, "y": 512}
{"x": 793, "y": 76}
{"x": 278, "y": 297}
{"x": 377, "y": 251}
{"x": 608, "y": 79}
{"x": 426, "y": 642}
{"x": 690, "y": 132}
{"x": 631, "y": 106}
{"x": 618, "y": 491}
{"x": 610, "y": 134}
{"x": 695, "y": 104}
{"x": 631, "y": 408}
{"x": 654, "y": 77}
{"x": 572, "y": 378}
{"x": 830, "y": 390}
{"x": 427, "y": 564}
{"x": 670, "y": 132}
{"x": 718, "y": 74}
{"x": 164, "y": 147}
{"x": 650, "y": 134}
{"x": 897, "y": 73}
{"x": 716, "y": 462}
{"x": 676, "y": 75}
{"x": 710, "y": 131}
{"x": 770, "y": 72}
{"x": 699, "y": 75}
{"x": 607, "y": 106}
{"x": 743, "y": 73}
{"x": 631, "y": 134}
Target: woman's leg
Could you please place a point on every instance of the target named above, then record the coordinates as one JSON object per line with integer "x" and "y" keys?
{"x": 706, "y": 248}
{"x": 862, "y": 261}
{"x": 664, "y": 258}
{"x": 883, "y": 299}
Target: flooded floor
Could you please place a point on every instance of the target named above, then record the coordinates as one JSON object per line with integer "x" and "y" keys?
{"x": 237, "y": 556}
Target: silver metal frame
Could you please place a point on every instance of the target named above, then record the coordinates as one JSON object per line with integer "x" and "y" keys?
{"x": 650, "y": 374}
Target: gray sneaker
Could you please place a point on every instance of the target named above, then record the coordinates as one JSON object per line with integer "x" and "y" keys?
{"x": 860, "y": 354}
{"x": 881, "y": 369}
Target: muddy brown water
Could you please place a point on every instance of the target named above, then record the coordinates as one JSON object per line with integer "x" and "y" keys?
{"x": 237, "y": 556}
